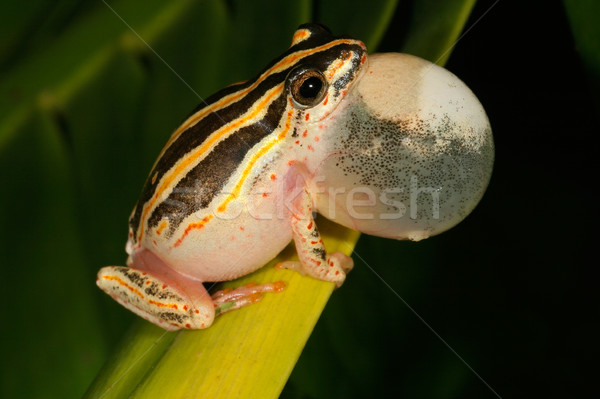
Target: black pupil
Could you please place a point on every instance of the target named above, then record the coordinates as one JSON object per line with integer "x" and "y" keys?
{"x": 311, "y": 87}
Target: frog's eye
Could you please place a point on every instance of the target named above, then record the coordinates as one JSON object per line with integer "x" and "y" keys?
{"x": 307, "y": 86}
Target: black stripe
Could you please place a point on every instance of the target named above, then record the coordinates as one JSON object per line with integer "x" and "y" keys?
{"x": 194, "y": 137}
{"x": 198, "y": 133}
{"x": 198, "y": 188}
{"x": 213, "y": 98}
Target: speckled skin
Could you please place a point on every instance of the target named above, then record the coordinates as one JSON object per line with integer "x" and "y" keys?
{"x": 419, "y": 147}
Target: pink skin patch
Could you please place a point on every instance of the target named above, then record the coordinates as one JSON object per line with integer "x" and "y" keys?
{"x": 192, "y": 289}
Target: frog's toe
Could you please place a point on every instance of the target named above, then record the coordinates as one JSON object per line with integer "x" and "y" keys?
{"x": 341, "y": 260}
{"x": 230, "y": 299}
{"x": 333, "y": 270}
{"x": 291, "y": 265}
{"x": 338, "y": 265}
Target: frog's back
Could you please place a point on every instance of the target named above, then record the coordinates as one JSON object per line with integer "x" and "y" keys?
{"x": 203, "y": 158}
{"x": 198, "y": 161}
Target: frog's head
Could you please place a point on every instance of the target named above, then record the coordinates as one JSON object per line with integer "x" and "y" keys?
{"x": 409, "y": 152}
{"x": 321, "y": 70}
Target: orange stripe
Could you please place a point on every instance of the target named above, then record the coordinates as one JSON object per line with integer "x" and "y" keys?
{"x": 167, "y": 181}
{"x": 161, "y": 227}
{"x": 138, "y": 293}
{"x": 123, "y": 283}
{"x": 300, "y": 35}
{"x": 163, "y": 305}
{"x": 191, "y": 227}
{"x": 253, "y": 161}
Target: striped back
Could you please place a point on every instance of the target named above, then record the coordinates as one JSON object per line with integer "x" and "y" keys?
{"x": 201, "y": 156}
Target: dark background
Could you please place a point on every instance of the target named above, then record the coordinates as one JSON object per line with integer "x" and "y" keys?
{"x": 513, "y": 289}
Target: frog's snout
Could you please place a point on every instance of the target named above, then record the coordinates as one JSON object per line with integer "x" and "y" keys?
{"x": 415, "y": 141}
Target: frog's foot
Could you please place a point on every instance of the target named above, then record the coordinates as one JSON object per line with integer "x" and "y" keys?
{"x": 229, "y": 299}
{"x": 334, "y": 269}
{"x": 161, "y": 301}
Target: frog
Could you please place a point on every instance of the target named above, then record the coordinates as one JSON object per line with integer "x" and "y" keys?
{"x": 386, "y": 144}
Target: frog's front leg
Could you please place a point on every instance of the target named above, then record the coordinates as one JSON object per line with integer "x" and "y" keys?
{"x": 314, "y": 259}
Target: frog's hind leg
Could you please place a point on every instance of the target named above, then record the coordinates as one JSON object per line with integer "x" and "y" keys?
{"x": 158, "y": 300}
{"x": 172, "y": 304}
{"x": 314, "y": 260}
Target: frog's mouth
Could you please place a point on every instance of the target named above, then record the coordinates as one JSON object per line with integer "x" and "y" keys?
{"x": 414, "y": 139}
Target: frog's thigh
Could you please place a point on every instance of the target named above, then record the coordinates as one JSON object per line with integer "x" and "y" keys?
{"x": 314, "y": 259}
{"x": 150, "y": 297}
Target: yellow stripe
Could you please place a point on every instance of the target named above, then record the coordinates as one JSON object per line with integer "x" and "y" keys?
{"x": 262, "y": 151}
{"x": 162, "y": 226}
{"x": 167, "y": 180}
{"x": 227, "y": 100}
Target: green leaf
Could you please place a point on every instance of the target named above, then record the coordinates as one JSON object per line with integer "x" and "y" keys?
{"x": 583, "y": 18}
{"x": 358, "y": 18}
{"x": 142, "y": 347}
{"x": 434, "y": 28}
{"x": 75, "y": 59}
{"x": 224, "y": 361}
{"x": 48, "y": 309}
